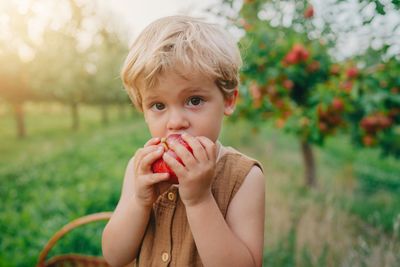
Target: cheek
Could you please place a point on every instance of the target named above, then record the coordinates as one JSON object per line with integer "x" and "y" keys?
{"x": 155, "y": 131}
{"x": 153, "y": 124}
{"x": 209, "y": 125}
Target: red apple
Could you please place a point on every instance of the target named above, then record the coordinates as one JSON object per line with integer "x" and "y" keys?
{"x": 288, "y": 84}
{"x": 160, "y": 166}
{"x": 314, "y": 66}
{"x": 337, "y": 104}
{"x": 352, "y": 72}
{"x": 384, "y": 121}
{"x": 347, "y": 86}
{"x": 300, "y": 51}
{"x": 309, "y": 12}
{"x": 291, "y": 58}
{"x": 323, "y": 127}
{"x": 369, "y": 140}
{"x": 370, "y": 124}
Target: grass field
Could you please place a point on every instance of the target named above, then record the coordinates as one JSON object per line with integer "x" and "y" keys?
{"x": 56, "y": 175}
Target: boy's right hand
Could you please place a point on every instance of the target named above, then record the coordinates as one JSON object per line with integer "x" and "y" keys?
{"x": 145, "y": 191}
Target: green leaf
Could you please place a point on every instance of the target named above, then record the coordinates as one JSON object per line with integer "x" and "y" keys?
{"x": 380, "y": 8}
{"x": 396, "y": 3}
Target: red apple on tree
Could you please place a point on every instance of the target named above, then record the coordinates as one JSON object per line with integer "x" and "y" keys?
{"x": 352, "y": 72}
{"x": 337, "y": 104}
{"x": 369, "y": 140}
{"x": 160, "y": 166}
{"x": 297, "y": 54}
{"x": 309, "y": 12}
{"x": 300, "y": 51}
{"x": 288, "y": 84}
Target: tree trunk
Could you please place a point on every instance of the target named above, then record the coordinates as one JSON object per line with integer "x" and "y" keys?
{"x": 309, "y": 164}
{"x": 104, "y": 114}
{"x": 19, "y": 119}
{"x": 75, "y": 116}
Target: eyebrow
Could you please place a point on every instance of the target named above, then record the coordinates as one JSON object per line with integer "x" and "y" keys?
{"x": 192, "y": 90}
{"x": 150, "y": 98}
{"x": 187, "y": 90}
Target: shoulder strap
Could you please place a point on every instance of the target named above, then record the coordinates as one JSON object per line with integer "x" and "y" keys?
{"x": 231, "y": 171}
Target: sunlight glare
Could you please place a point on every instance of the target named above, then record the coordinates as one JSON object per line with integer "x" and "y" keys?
{"x": 25, "y": 52}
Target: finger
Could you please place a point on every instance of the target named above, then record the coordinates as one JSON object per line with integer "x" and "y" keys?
{"x": 174, "y": 164}
{"x": 141, "y": 153}
{"x": 148, "y": 160}
{"x": 209, "y": 146}
{"x": 183, "y": 153}
{"x": 156, "y": 178}
{"x": 153, "y": 141}
{"x": 198, "y": 151}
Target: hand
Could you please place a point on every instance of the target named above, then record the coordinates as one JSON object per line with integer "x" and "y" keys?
{"x": 195, "y": 177}
{"x": 145, "y": 181}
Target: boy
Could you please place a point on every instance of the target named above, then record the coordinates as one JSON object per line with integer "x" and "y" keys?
{"x": 182, "y": 73}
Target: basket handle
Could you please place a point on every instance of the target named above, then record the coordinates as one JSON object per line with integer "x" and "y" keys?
{"x": 101, "y": 216}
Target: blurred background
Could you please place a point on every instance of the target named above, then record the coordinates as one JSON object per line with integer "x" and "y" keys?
{"x": 319, "y": 106}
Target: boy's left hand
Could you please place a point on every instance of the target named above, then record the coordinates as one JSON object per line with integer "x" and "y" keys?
{"x": 196, "y": 176}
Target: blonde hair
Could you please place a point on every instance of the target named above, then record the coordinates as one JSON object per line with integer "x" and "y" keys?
{"x": 190, "y": 43}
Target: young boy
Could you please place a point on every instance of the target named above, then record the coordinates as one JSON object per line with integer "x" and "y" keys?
{"x": 182, "y": 73}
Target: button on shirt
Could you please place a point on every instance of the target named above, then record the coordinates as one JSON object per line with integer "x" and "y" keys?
{"x": 171, "y": 196}
{"x": 165, "y": 256}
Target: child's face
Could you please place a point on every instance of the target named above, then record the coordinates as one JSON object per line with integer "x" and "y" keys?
{"x": 194, "y": 105}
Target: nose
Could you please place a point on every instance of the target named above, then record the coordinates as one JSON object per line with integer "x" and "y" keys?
{"x": 177, "y": 120}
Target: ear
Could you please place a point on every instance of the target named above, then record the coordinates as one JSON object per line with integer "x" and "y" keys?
{"x": 230, "y": 103}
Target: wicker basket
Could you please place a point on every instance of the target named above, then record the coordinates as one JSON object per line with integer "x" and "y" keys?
{"x": 72, "y": 259}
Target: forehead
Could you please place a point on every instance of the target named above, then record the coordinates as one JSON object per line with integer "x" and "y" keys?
{"x": 176, "y": 83}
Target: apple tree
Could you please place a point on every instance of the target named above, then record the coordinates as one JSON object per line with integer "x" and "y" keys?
{"x": 105, "y": 60}
{"x": 292, "y": 77}
{"x": 15, "y": 55}
{"x": 283, "y": 66}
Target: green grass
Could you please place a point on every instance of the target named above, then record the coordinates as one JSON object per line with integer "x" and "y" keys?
{"x": 376, "y": 186}
{"x": 56, "y": 175}
{"x": 338, "y": 224}
{"x": 49, "y": 131}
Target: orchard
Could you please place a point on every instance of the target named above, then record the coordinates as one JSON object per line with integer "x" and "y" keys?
{"x": 291, "y": 78}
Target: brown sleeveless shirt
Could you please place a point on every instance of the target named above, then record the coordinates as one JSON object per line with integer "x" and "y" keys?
{"x": 168, "y": 240}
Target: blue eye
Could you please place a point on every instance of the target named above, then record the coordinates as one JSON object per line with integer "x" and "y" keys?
{"x": 195, "y": 101}
{"x": 158, "y": 106}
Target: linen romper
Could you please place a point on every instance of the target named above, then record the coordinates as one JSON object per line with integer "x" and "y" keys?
{"x": 168, "y": 240}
